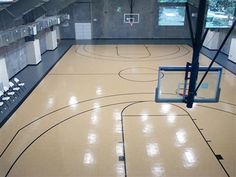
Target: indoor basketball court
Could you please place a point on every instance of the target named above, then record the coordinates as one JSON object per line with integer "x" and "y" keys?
{"x": 90, "y": 102}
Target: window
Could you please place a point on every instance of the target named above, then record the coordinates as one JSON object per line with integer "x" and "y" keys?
{"x": 171, "y": 15}
{"x": 171, "y": 12}
{"x": 220, "y": 13}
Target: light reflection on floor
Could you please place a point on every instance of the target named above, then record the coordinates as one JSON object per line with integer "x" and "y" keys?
{"x": 100, "y": 123}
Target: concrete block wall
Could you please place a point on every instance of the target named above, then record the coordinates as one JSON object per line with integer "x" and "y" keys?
{"x": 15, "y": 54}
{"x": 107, "y": 19}
{"x": 107, "y": 22}
{"x": 68, "y": 31}
{"x": 42, "y": 40}
{"x": 3, "y": 74}
{"x": 15, "y": 57}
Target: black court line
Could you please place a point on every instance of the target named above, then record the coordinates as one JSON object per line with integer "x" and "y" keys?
{"x": 132, "y": 80}
{"x": 139, "y": 73}
{"x": 219, "y": 156}
{"x": 204, "y": 139}
{"x": 82, "y": 74}
{"x": 217, "y": 109}
{"x": 132, "y": 103}
{"x": 232, "y": 104}
{"x": 45, "y": 115}
{"x": 57, "y": 124}
{"x": 211, "y": 108}
{"x": 117, "y": 51}
{"x": 123, "y": 130}
{"x": 118, "y": 59}
{"x": 200, "y": 129}
{"x": 158, "y": 115}
{"x": 135, "y": 41}
{"x": 33, "y": 75}
{"x": 123, "y": 134}
{"x": 149, "y": 53}
{"x": 88, "y": 74}
{"x": 148, "y": 56}
{"x": 153, "y": 69}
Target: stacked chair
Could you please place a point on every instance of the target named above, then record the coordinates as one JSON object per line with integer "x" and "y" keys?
{"x": 9, "y": 94}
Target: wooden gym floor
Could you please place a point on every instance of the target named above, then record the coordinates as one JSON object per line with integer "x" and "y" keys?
{"x": 94, "y": 115}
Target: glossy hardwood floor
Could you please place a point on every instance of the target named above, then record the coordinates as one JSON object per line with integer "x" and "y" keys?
{"x": 94, "y": 115}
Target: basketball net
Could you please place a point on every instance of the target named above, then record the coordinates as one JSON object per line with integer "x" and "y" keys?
{"x": 131, "y": 24}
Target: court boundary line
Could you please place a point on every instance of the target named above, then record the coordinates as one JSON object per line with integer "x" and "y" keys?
{"x": 207, "y": 141}
{"x": 131, "y": 80}
{"x": 96, "y": 57}
{"x": 127, "y": 102}
{"x": 62, "y": 108}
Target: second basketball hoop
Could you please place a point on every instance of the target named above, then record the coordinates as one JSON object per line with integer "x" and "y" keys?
{"x": 131, "y": 18}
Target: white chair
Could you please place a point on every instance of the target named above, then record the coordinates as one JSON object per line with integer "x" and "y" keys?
{"x": 13, "y": 87}
{"x": 7, "y": 91}
{"x": 3, "y": 100}
{"x": 3, "y": 97}
{"x": 17, "y": 81}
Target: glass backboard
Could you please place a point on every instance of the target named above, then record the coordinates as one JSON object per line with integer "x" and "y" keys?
{"x": 173, "y": 87}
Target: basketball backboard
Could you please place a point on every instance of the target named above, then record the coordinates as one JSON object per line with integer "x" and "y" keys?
{"x": 131, "y": 18}
{"x": 173, "y": 87}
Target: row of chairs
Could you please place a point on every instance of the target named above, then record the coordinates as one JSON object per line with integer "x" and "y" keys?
{"x": 11, "y": 93}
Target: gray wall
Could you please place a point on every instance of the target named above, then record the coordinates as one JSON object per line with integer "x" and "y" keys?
{"x": 15, "y": 57}
{"x": 80, "y": 12}
{"x": 42, "y": 41}
{"x": 107, "y": 22}
{"x": 223, "y": 32}
{"x": 15, "y": 54}
{"x": 68, "y": 32}
{"x": 21, "y": 12}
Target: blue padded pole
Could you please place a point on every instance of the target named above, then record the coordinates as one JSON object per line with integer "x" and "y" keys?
{"x": 196, "y": 52}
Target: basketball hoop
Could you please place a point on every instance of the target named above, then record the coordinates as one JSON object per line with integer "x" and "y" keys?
{"x": 182, "y": 92}
{"x": 131, "y": 21}
{"x": 131, "y": 18}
